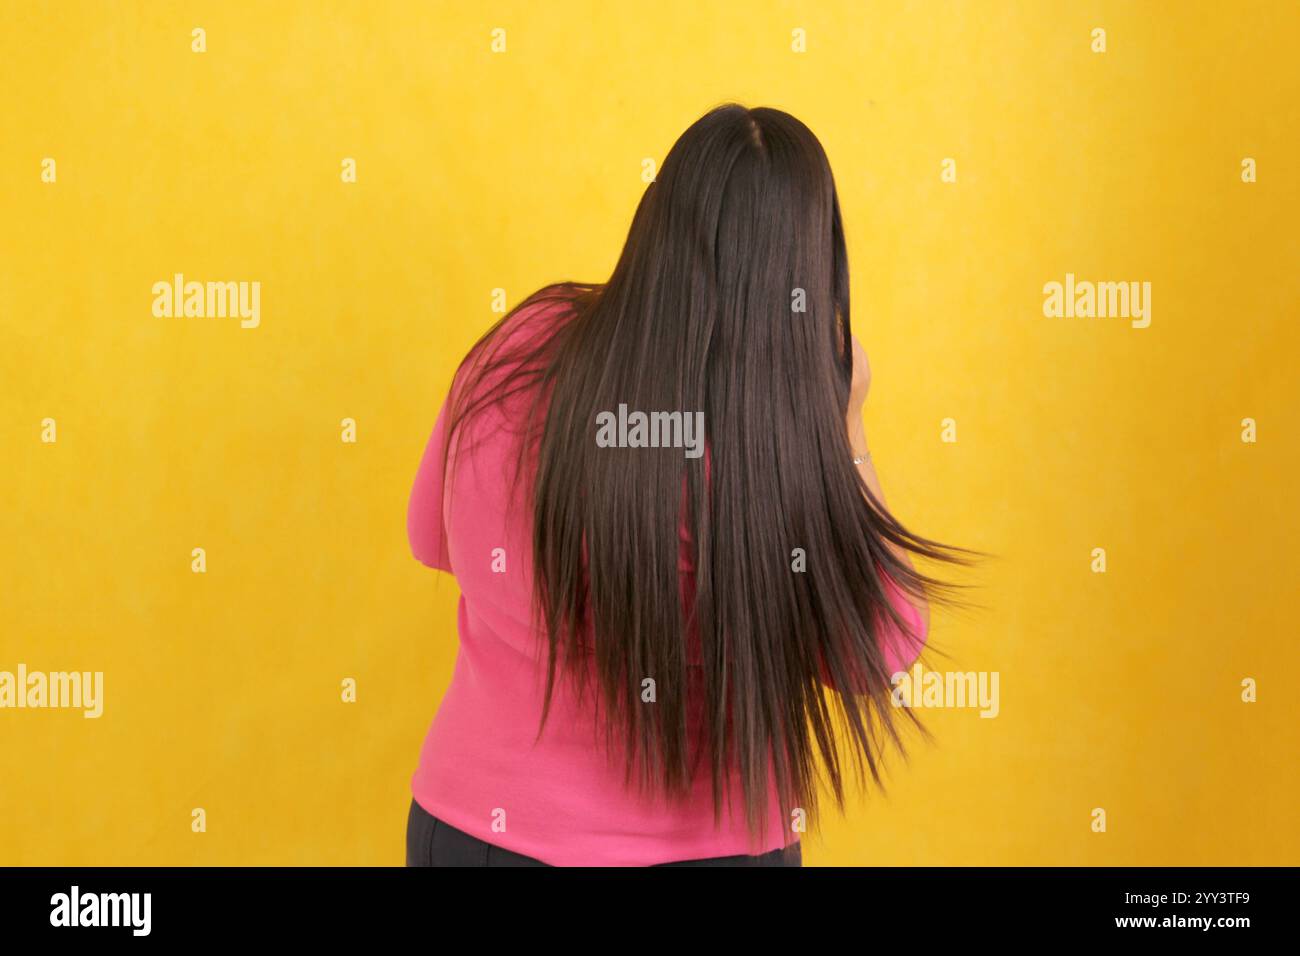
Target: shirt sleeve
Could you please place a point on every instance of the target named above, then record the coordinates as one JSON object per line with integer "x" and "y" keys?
{"x": 424, "y": 516}
{"x": 900, "y": 646}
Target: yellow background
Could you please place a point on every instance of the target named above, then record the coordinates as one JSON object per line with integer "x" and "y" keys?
{"x": 476, "y": 171}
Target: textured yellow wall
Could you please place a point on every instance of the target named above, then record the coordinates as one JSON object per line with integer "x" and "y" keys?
{"x": 476, "y": 170}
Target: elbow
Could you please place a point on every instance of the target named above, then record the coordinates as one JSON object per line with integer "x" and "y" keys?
{"x": 431, "y": 558}
{"x": 904, "y": 645}
{"x": 427, "y": 548}
{"x": 422, "y": 556}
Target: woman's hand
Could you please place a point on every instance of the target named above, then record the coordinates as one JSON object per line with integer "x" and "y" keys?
{"x": 857, "y": 398}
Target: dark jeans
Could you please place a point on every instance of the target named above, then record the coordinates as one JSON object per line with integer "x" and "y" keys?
{"x": 431, "y": 842}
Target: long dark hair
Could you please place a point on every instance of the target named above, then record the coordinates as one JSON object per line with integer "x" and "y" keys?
{"x": 731, "y": 297}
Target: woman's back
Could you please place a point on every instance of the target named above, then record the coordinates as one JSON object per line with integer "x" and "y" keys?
{"x": 482, "y": 770}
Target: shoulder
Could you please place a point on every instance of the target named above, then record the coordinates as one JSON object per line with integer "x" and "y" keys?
{"x": 541, "y": 315}
{"x": 522, "y": 336}
{"x": 516, "y": 351}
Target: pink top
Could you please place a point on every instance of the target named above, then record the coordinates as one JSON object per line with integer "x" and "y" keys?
{"x": 560, "y": 799}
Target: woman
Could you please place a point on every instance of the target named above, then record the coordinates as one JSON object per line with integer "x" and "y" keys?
{"x": 659, "y": 630}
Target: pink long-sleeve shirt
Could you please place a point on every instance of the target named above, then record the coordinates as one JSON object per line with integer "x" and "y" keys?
{"x": 559, "y": 799}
